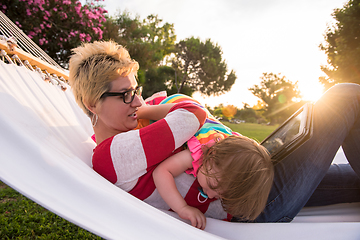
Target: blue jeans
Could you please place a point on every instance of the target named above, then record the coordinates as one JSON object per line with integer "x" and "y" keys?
{"x": 305, "y": 177}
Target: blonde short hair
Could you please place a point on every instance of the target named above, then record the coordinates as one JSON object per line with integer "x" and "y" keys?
{"x": 244, "y": 174}
{"x": 93, "y": 66}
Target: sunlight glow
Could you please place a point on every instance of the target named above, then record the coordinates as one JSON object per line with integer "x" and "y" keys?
{"x": 311, "y": 92}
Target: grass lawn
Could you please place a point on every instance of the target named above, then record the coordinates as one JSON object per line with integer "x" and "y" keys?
{"x": 252, "y": 130}
{"x": 21, "y": 218}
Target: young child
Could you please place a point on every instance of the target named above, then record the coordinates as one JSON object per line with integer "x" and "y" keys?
{"x": 235, "y": 169}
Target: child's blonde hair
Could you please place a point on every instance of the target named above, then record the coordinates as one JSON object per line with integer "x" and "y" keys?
{"x": 244, "y": 174}
{"x": 93, "y": 67}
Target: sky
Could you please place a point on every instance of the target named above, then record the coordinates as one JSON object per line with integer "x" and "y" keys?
{"x": 256, "y": 36}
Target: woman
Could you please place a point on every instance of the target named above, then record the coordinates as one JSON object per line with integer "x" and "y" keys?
{"x": 102, "y": 77}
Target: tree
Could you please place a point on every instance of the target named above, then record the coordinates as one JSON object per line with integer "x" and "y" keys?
{"x": 56, "y": 26}
{"x": 247, "y": 113}
{"x": 229, "y": 111}
{"x": 218, "y": 111}
{"x": 342, "y": 46}
{"x": 202, "y": 67}
{"x": 279, "y": 95}
{"x": 156, "y": 79}
{"x": 148, "y": 41}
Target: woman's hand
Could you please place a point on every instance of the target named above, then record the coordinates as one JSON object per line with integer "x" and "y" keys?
{"x": 196, "y": 217}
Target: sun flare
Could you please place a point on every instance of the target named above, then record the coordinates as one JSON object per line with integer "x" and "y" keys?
{"x": 311, "y": 92}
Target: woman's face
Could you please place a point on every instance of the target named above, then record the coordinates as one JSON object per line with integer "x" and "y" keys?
{"x": 115, "y": 115}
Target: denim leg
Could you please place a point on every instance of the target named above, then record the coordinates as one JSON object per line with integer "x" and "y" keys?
{"x": 299, "y": 174}
{"x": 340, "y": 184}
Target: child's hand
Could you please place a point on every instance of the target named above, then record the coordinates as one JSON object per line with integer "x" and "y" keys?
{"x": 217, "y": 137}
{"x": 196, "y": 217}
{"x": 143, "y": 103}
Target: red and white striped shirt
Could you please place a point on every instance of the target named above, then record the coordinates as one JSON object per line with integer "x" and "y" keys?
{"x": 128, "y": 159}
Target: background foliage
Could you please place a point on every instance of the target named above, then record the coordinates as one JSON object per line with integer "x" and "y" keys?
{"x": 342, "y": 46}
{"x": 57, "y": 26}
{"x": 281, "y": 96}
{"x": 202, "y": 67}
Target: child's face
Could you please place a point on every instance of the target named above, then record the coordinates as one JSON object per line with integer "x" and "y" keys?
{"x": 204, "y": 182}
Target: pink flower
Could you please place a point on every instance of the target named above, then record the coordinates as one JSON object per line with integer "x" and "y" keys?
{"x": 55, "y": 9}
{"x": 63, "y": 15}
{"x": 91, "y": 15}
{"x": 46, "y": 18}
{"x": 82, "y": 37}
{"x": 78, "y": 8}
{"x": 28, "y": 12}
{"x": 42, "y": 41}
{"x": 88, "y": 37}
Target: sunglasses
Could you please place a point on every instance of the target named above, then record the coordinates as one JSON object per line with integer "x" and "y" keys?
{"x": 127, "y": 96}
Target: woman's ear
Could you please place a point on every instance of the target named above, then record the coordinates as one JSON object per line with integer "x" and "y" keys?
{"x": 90, "y": 107}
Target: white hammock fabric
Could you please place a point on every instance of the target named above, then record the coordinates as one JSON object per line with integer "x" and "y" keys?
{"x": 45, "y": 152}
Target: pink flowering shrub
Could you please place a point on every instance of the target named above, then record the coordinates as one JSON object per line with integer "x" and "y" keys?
{"x": 57, "y": 26}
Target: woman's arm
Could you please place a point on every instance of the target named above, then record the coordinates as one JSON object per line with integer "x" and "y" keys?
{"x": 179, "y": 125}
{"x": 127, "y": 156}
{"x": 163, "y": 177}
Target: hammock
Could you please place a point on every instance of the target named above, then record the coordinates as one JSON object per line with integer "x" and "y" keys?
{"x": 45, "y": 152}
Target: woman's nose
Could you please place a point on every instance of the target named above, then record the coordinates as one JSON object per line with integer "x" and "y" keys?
{"x": 137, "y": 101}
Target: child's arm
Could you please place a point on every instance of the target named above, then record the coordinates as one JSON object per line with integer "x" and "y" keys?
{"x": 154, "y": 112}
{"x": 164, "y": 180}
